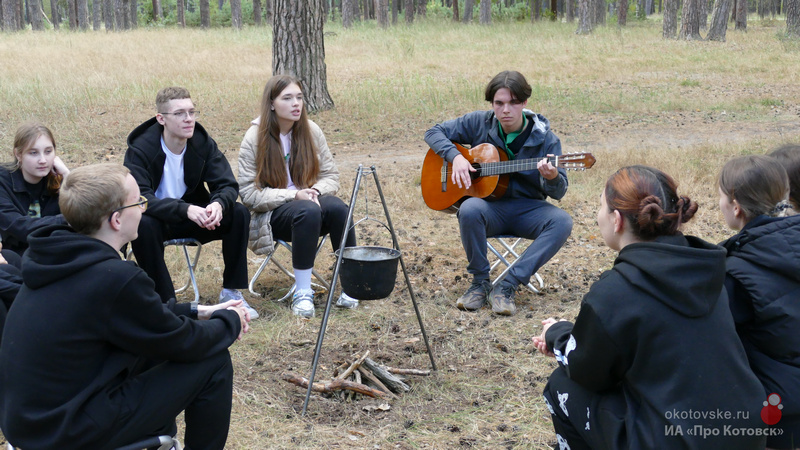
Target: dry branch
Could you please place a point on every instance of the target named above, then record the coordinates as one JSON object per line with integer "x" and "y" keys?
{"x": 394, "y": 383}
{"x": 334, "y": 385}
{"x": 397, "y": 371}
{"x": 353, "y": 366}
{"x": 371, "y": 377}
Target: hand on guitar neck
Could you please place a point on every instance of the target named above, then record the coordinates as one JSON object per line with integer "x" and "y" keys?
{"x": 462, "y": 168}
{"x": 482, "y": 171}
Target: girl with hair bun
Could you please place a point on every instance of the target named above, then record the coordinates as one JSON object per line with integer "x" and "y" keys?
{"x": 763, "y": 279}
{"x": 653, "y": 343}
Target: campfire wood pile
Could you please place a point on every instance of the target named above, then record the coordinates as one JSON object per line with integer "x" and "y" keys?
{"x": 363, "y": 376}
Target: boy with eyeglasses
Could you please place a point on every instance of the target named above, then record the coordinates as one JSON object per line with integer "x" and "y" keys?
{"x": 173, "y": 159}
{"x": 91, "y": 357}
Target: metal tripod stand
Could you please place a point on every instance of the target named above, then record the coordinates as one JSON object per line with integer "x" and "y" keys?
{"x": 388, "y": 225}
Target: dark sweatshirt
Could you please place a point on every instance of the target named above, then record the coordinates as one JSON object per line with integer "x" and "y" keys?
{"x": 657, "y": 329}
{"x": 81, "y": 324}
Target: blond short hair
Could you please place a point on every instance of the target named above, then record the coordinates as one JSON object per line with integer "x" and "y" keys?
{"x": 170, "y": 93}
{"x": 91, "y": 193}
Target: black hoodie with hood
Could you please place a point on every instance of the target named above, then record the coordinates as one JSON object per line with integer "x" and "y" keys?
{"x": 80, "y": 326}
{"x": 657, "y": 329}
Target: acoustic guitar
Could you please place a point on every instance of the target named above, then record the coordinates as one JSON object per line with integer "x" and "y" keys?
{"x": 491, "y": 178}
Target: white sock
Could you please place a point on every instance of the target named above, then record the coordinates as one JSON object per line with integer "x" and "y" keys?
{"x": 302, "y": 279}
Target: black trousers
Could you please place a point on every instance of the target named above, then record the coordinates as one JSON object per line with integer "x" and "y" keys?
{"x": 233, "y": 231}
{"x": 153, "y": 399}
{"x": 302, "y": 222}
{"x": 10, "y": 282}
{"x": 583, "y": 419}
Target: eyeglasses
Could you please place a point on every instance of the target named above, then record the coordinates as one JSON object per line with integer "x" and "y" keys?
{"x": 142, "y": 204}
{"x": 192, "y": 113}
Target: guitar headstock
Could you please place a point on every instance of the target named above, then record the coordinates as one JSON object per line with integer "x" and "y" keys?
{"x": 576, "y": 161}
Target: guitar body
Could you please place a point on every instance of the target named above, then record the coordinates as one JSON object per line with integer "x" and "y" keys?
{"x": 438, "y": 189}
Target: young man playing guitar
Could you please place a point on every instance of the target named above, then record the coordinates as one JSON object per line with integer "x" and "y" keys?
{"x": 523, "y": 210}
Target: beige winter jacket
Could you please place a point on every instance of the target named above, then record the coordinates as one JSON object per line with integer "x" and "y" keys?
{"x": 262, "y": 201}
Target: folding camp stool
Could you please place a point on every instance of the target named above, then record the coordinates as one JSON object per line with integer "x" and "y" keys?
{"x": 269, "y": 257}
{"x": 164, "y": 442}
{"x": 509, "y": 256}
{"x": 184, "y": 243}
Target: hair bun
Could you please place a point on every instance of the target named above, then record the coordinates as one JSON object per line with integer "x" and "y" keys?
{"x": 651, "y": 214}
{"x": 686, "y": 207}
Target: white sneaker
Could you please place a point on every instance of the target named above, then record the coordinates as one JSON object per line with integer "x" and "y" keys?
{"x": 233, "y": 294}
{"x": 303, "y": 303}
{"x": 345, "y": 301}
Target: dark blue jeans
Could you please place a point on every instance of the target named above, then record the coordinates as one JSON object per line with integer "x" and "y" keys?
{"x": 548, "y": 225}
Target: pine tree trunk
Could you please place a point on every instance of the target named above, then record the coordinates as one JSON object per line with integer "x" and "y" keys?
{"x": 622, "y": 13}
{"x": 422, "y": 8}
{"x": 268, "y": 10}
{"x": 382, "y": 7}
{"x": 257, "y": 13}
{"x": 180, "y": 13}
{"x": 719, "y": 21}
{"x": 157, "y": 10}
{"x": 108, "y": 14}
{"x": 792, "y": 8}
{"x": 599, "y": 13}
{"x": 298, "y": 48}
{"x": 486, "y": 12}
{"x": 236, "y": 14}
{"x": 205, "y": 14}
{"x": 73, "y": 14}
{"x": 703, "y": 14}
{"x": 409, "y": 10}
{"x": 55, "y": 17}
{"x": 690, "y": 20}
{"x": 20, "y": 14}
{"x": 134, "y": 13}
{"x": 469, "y": 7}
{"x": 35, "y": 13}
{"x": 347, "y": 13}
{"x": 535, "y": 15}
{"x": 741, "y": 15}
{"x": 553, "y": 10}
{"x": 670, "y": 25}
{"x": 569, "y": 6}
{"x": 456, "y": 17}
{"x": 585, "y": 15}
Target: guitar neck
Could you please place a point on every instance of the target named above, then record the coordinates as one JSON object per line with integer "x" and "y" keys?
{"x": 520, "y": 165}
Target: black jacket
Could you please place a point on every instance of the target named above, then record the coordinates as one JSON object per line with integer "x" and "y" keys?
{"x": 15, "y": 224}
{"x": 763, "y": 281}
{"x": 203, "y": 164}
{"x": 79, "y": 327}
{"x": 657, "y": 327}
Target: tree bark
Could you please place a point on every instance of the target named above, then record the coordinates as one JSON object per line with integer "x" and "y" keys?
{"x": 55, "y": 17}
{"x": 19, "y": 14}
{"x": 236, "y": 14}
{"x": 133, "y": 7}
{"x": 535, "y": 12}
{"x": 108, "y": 14}
{"x": 422, "y": 8}
{"x": 599, "y": 12}
{"x": 347, "y": 13}
{"x": 741, "y": 15}
{"x": 569, "y": 7}
{"x": 719, "y": 21}
{"x": 585, "y": 24}
{"x": 469, "y": 7}
{"x": 670, "y": 25}
{"x": 455, "y": 11}
{"x": 180, "y": 13}
{"x": 298, "y": 48}
{"x": 257, "y": 13}
{"x": 792, "y": 8}
{"x": 486, "y": 12}
{"x": 35, "y": 14}
{"x": 690, "y": 20}
{"x": 394, "y": 5}
{"x": 157, "y": 10}
{"x": 205, "y": 14}
{"x": 382, "y": 8}
{"x": 622, "y": 13}
{"x": 409, "y": 11}
{"x": 82, "y": 7}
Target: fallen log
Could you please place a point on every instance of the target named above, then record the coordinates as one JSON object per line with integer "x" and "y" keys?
{"x": 371, "y": 377}
{"x": 394, "y": 383}
{"x": 334, "y": 385}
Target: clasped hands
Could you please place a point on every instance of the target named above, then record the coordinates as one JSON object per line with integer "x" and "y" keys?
{"x": 204, "y": 312}
{"x": 208, "y": 217}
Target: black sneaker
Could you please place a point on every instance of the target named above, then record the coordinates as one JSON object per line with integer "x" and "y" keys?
{"x": 475, "y": 296}
{"x": 502, "y": 298}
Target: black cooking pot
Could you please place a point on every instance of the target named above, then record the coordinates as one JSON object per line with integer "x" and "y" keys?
{"x": 368, "y": 273}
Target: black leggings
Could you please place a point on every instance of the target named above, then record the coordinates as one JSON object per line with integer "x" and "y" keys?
{"x": 302, "y": 222}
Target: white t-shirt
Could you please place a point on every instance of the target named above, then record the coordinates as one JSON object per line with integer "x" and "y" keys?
{"x": 286, "y": 141}
{"x": 172, "y": 184}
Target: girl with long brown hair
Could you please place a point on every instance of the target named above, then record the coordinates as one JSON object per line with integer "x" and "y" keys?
{"x": 288, "y": 181}
{"x": 29, "y": 186}
{"x": 653, "y": 343}
{"x": 763, "y": 280}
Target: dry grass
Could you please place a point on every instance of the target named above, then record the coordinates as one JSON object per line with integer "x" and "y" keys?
{"x": 625, "y": 95}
